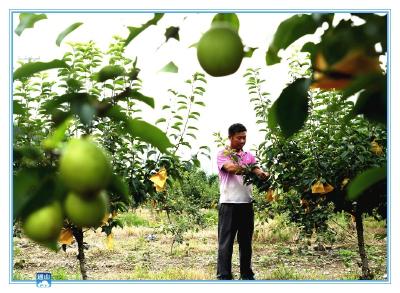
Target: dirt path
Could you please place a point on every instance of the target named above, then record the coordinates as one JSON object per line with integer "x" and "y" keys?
{"x": 135, "y": 256}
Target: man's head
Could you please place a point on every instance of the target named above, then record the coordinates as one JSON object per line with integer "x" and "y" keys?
{"x": 237, "y": 136}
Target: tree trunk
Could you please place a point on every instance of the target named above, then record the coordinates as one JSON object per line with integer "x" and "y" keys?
{"x": 78, "y": 234}
{"x": 366, "y": 273}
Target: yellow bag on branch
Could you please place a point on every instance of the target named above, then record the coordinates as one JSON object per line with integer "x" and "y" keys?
{"x": 327, "y": 188}
{"x": 376, "y": 148}
{"x": 159, "y": 179}
{"x": 317, "y": 187}
{"x": 321, "y": 188}
{"x": 269, "y": 195}
{"x": 110, "y": 242}
{"x": 339, "y": 75}
{"x": 66, "y": 236}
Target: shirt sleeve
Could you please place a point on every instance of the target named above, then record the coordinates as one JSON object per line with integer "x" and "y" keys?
{"x": 252, "y": 159}
{"x": 222, "y": 159}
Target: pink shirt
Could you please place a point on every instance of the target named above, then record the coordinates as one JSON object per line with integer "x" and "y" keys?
{"x": 231, "y": 187}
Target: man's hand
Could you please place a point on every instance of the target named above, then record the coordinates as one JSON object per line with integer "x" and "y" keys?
{"x": 261, "y": 174}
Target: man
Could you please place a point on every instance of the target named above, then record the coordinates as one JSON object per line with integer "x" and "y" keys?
{"x": 236, "y": 215}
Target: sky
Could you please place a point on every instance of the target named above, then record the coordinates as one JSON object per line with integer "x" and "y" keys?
{"x": 226, "y": 98}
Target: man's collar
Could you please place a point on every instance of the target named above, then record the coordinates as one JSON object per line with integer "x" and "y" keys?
{"x": 236, "y": 151}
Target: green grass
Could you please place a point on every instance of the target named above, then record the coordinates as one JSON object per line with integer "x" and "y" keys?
{"x": 133, "y": 220}
{"x": 17, "y": 276}
{"x": 211, "y": 217}
{"x": 61, "y": 273}
{"x": 276, "y": 230}
{"x": 141, "y": 273}
{"x": 347, "y": 256}
{"x": 17, "y": 251}
{"x": 283, "y": 272}
{"x": 371, "y": 223}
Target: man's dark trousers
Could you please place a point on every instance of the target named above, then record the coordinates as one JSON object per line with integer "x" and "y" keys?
{"x": 235, "y": 218}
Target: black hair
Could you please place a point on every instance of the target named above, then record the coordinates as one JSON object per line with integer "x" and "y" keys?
{"x": 235, "y": 128}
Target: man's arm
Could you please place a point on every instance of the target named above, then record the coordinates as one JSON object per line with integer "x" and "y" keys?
{"x": 236, "y": 169}
{"x": 233, "y": 168}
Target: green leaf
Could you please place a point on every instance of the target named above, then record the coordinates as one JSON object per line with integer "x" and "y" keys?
{"x": 28, "y": 152}
{"x": 310, "y": 48}
{"x": 192, "y": 135}
{"x": 129, "y": 93}
{"x": 292, "y": 106}
{"x": 32, "y": 188}
{"x": 140, "y": 97}
{"x": 59, "y": 116}
{"x": 120, "y": 188}
{"x": 365, "y": 180}
{"x": 200, "y": 88}
{"x": 54, "y": 140}
{"x": 135, "y": 31}
{"x": 67, "y": 31}
{"x": 272, "y": 56}
{"x": 272, "y": 118}
{"x": 85, "y": 111}
{"x": 172, "y": 33}
{"x": 196, "y": 161}
{"x": 149, "y": 133}
{"x": 340, "y": 40}
{"x": 179, "y": 117}
{"x": 160, "y": 120}
{"x": 248, "y": 52}
{"x": 289, "y": 31}
{"x": 30, "y": 68}
{"x": 141, "y": 129}
{"x": 52, "y": 104}
{"x": 372, "y": 103}
{"x": 74, "y": 85}
{"x": 170, "y": 67}
{"x": 176, "y": 127}
{"x": 200, "y": 103}
{"x": 28, "y": 20}
{"x": 18, "y": 108}
{"x": 110, "y": 72}
{"x": 205, "y": 147}
{"x": 361, "y": 82}
{"x": 228, "y": 18}
{"x": 81, "y": 104}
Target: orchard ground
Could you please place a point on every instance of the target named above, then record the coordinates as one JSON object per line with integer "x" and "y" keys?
{"x": 141, "y": 252}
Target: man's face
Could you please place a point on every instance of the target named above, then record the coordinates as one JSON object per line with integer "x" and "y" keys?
{"x": 238, "y": 140}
